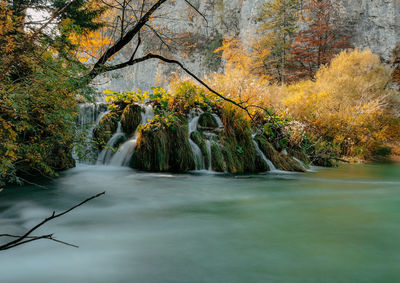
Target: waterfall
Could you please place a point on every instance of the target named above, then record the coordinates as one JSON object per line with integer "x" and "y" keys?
{"x": 301, "y": 163}
{"x": 262, "y": 155}
{"x": 123, "y": 156}
{"x": 219, "y": 122}
{"x": 90, "y": 113}
{"x": 198, "y": 155}
{"x": 124, "y": 153}
{"x": 106, "y": 154}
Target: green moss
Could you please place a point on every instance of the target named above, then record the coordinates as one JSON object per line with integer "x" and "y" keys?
{"x": 181, "y": 153}
{"x": 217, "y": 158}
{"x": 151, "y": 153}
{"x": 301, "y": 155}
{"x": 105, "y": 129}
{"x": 207, "y": 120}
{"x": 164, "y": 148}
{"x": 239, "y": 151}
{"x": 131, "y": 118}
{"x": 281, "y": 161}
{"x": 199, "y": 139}
{"x": 261, "y": 165}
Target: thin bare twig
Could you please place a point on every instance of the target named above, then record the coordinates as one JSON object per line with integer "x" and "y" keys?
{"x": 26, "y": 238}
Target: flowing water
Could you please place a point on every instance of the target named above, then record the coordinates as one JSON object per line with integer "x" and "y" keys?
{"x": 123, "y": 156}
{"x": 331, "y": 225}
{"x": 271, "y": 166}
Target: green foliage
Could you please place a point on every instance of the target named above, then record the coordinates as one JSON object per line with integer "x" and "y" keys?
{"x": 189, "y": 95}
{"x": 39, "y": 81}
{"x": 105, "y": 129}
{"x": 207, "y": 120}
{"x": 37, "y": 120}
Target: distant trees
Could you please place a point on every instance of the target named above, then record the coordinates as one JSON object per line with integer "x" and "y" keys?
{"x": 298, "y": 37}
{"x": 278, "y": 26}
{"x": 323, "y": 37}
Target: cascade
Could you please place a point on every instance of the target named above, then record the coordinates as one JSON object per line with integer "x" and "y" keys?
{"x": 219, "y": 122}
{"x": 262, "y": 155}
{"x": 193, "y": 123}
{"x": 91, "y": 113}
{"x": 199, "y": 159}
{"x": 125, "y": 151}
{"x": 106, "y": 154}
{"x": 302, "y": 164}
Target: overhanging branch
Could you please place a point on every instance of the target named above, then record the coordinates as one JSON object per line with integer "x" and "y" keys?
{"x": 116, "y": 47}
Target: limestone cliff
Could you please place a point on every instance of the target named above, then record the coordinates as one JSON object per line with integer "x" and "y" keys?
{"x": 375, "y": 25}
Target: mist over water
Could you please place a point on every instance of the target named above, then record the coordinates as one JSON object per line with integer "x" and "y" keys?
{"x": 330, "y": 225}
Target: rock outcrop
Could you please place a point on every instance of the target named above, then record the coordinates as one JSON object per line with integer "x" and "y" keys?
{"x": 375, "y": 25}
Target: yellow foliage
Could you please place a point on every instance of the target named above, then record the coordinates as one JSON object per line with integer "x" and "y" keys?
{"x": 347, "y": 105}
{"x": 90, "y": 45}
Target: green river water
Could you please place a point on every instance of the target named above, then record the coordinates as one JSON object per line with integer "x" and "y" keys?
{"x": 330, "y": 225}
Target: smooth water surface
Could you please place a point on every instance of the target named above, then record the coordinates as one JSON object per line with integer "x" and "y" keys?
{"x": 332, "y": 225}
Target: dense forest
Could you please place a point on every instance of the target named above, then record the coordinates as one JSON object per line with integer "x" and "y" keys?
{"x": 298, "y": 85}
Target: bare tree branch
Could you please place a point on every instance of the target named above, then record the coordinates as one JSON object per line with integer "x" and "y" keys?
{"x": 26, "y": 238}
{"x": 99, "y": 65}
{"x": 197, "y": 10}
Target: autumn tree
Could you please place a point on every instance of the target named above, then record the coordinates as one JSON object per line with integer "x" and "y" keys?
{"x": 323, "y": 37}
{"x": 278, "y": 26}
{"x": 38, "y": 82}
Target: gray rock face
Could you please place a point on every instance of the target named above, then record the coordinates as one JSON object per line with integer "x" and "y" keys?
{"x": 376, "y": 25}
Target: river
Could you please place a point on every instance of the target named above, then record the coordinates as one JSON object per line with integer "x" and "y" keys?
{"x": 330, "y": 225}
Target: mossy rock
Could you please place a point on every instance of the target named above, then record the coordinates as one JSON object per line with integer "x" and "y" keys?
{"x": 131, "y": 118}
{"x": 281, "y": 161}
{"x": 199, "y": 139}
{"x": 239, "y": 151}
{"x": 323, "y": 161}
{"x": 182, "y": 159}
{"x": 152, "y": 151}
{"x": 300, "y": 155}
{"x": 164, "y": 149}
{"x": 261, "y": 165}
{"x": 217, "y": 158}
{"x": 105, "y": 129}
{"x": 207, "y": 122}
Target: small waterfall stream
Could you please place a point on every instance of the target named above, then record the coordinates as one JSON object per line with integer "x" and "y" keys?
{"x": 89, "y": 116}
{"x": 302, "y": 164}
{"x": 198, "y": 155}
{"x": 262, "y": 155}
{"x": 123, "y": 156}
{"x": 106, "y": 154}
{"x": 91, "y": 113}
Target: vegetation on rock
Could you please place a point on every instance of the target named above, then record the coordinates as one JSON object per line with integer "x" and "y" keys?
{"x": 131, "y": 118}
